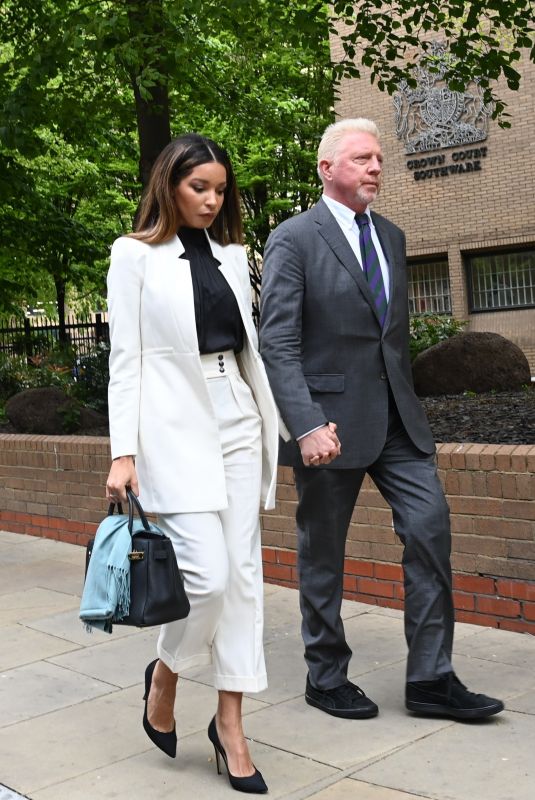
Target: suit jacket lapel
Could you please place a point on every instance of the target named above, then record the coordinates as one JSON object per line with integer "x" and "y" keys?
{"x": 384, "y": 238}
{"x": 330, "y": 230}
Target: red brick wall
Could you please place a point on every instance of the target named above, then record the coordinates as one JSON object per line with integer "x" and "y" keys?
{"x": 54, "y": 487}
{"x": 490, "y": 490}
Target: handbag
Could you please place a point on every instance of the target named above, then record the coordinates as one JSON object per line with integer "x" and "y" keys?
{"x": 157, "y": 593}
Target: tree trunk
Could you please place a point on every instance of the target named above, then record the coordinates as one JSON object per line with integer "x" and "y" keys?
{"x": 153, "y": 120}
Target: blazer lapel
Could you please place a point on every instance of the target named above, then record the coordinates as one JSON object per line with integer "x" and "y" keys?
{"x": 330, "y": 230}
{"x": 228, "y": 269}
{"x": 181, "y": 292}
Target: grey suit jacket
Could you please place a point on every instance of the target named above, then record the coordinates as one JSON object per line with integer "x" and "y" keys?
{"x": 325, "y": 353}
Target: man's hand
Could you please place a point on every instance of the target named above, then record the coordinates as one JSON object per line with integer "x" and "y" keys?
{"x": 321, "y": 446}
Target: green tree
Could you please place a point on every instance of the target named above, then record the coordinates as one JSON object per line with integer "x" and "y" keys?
{"x": 485, "y": 39}
{"x": 107, "y": 82}
{"x": 236, "y": 71}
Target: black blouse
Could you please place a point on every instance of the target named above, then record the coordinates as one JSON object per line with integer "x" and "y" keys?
{"x": 217, "y": 316}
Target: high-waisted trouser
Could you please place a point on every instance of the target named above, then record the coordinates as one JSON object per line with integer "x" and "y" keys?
{"x": 219, "y": 552}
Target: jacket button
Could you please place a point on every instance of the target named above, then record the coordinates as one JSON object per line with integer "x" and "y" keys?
{"x": 221, "y": 369}
{"x": 383, "y": 376}
{"x": 220, "y": 357}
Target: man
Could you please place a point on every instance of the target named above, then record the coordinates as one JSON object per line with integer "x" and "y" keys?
{"x": 334, "y": 337}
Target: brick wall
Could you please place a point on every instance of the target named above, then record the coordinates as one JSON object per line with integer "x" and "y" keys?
{"x": 469, "y": 213}
{"x": 54, "y": 487}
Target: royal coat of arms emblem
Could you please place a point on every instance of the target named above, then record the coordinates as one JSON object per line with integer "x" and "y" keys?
{"x": 431, "y": 116}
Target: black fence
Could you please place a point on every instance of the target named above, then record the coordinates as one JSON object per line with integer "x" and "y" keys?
{"x": 36, "y": 336}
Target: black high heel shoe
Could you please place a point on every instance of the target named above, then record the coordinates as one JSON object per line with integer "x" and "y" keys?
{"x": 165, "y": 741}
{"x": 253, "y": 784}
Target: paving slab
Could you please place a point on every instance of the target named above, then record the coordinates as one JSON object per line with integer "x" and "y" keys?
{"x": 36, "y": 548}
{"x": 376, "y": 642}
{"x": 72, "y": 740}
{"x": 194, "y": 774}
{"x": 282, "y": 616}
{"x": 285, "y": 667}
{"x": 56, "y": 575}
{"x": 35, "y": 689}
{"x": 71, "y": 705}
{"x": 488, "y": 760}
{"x": 299, "y": 728}
{"x": 504, "y": 647}
{"x": 96, "y": 733}
{"x": 22, "y": 645}
{"x": 67, "y": 625}
{"x": 8, "y": 537}
{"x": 119, "y": 662}
{"x": 27, "y": 604}
{"x": 525, "y": 703}
{"x": 349, "y": 789}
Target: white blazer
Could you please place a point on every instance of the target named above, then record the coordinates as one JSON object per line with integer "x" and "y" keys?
{"x": 159, "y": 407}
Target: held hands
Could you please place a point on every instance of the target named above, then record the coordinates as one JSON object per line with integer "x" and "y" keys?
{"x": 321, "y": 446}
{"x": 122, "y": 474}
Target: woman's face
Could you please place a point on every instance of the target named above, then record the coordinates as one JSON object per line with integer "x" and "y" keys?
{"x": 199, "y": 196}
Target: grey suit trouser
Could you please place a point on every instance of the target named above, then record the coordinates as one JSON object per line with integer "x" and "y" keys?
{"x": 408, "y": 481}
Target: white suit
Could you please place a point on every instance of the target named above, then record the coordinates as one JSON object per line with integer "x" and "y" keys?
{"x": 160, "y": 410}
{"x": 205, "y": 448}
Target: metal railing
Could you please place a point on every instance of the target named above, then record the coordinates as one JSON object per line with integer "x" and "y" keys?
{"x": 35, "y": 336}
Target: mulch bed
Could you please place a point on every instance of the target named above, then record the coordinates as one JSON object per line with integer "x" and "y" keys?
{"x": 493, "y": 418}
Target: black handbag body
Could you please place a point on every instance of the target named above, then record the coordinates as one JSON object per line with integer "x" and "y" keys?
{"x": 157, "y": 592}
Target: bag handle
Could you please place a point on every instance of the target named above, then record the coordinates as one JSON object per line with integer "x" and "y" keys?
{"x": 111, "y": 509}
{"x": 133, "y": 502}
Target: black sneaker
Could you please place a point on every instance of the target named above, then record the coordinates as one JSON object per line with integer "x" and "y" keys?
{"x": 347, "y": 701}
{"x": 448, "y": 697}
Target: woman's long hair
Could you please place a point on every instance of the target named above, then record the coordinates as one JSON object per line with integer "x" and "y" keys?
{"x": 158, "y": 218}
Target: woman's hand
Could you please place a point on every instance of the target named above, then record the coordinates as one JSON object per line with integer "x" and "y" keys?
{"x": 122, "y": 474}
{"x": 321, "y": 446}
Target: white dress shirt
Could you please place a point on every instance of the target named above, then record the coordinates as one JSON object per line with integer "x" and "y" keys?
{"x": 345, "y": 218}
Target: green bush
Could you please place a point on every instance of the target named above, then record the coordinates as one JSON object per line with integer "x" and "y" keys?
{"x": 428, "y": 329}
{"x": 16, "y": 375}
{"x": 12, "y": 369}
{"x": 83, "y": 378}
{"x": 91, "y": 378}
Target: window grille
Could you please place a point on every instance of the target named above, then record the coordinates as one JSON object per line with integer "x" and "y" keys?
{"x": 502, "y": 280}
{"x": 429, "y": 288}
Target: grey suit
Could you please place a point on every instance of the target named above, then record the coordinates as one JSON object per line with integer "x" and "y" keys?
{"x": 328, "y": 359}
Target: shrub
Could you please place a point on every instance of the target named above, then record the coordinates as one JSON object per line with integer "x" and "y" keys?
{"x": 83, "y": 378}
{"x": 12, "y": 370}
{"x": 427, "y": 330}
{"x": 91, "y": 376}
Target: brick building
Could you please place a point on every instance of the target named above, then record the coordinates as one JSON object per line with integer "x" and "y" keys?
{"x": 468, "y": 210}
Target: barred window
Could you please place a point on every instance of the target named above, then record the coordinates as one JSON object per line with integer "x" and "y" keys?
{"x": 429, "y": 287}
{"x": 502, "y": 280}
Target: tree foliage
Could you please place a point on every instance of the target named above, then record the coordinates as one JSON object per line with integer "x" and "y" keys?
{"x": 256, "y": 77}
{"x": 91, "y": 90}
{"x": 485, "y": 40}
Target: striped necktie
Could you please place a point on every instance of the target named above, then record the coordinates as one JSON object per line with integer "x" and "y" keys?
{"x": 371, "y": 265}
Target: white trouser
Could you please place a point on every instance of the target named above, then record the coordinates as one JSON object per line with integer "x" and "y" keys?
{"x": 219, "y": 552}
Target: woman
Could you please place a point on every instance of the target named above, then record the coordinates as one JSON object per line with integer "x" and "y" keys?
{"x": 194, "y": 430}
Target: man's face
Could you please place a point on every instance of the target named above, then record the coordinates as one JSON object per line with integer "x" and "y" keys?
{"x": 353, "y": 176}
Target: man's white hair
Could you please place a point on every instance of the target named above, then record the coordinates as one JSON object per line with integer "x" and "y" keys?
{"x": 333, "y": 135}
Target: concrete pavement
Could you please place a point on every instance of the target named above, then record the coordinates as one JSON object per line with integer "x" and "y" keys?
{"x": 71, "y": 707}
